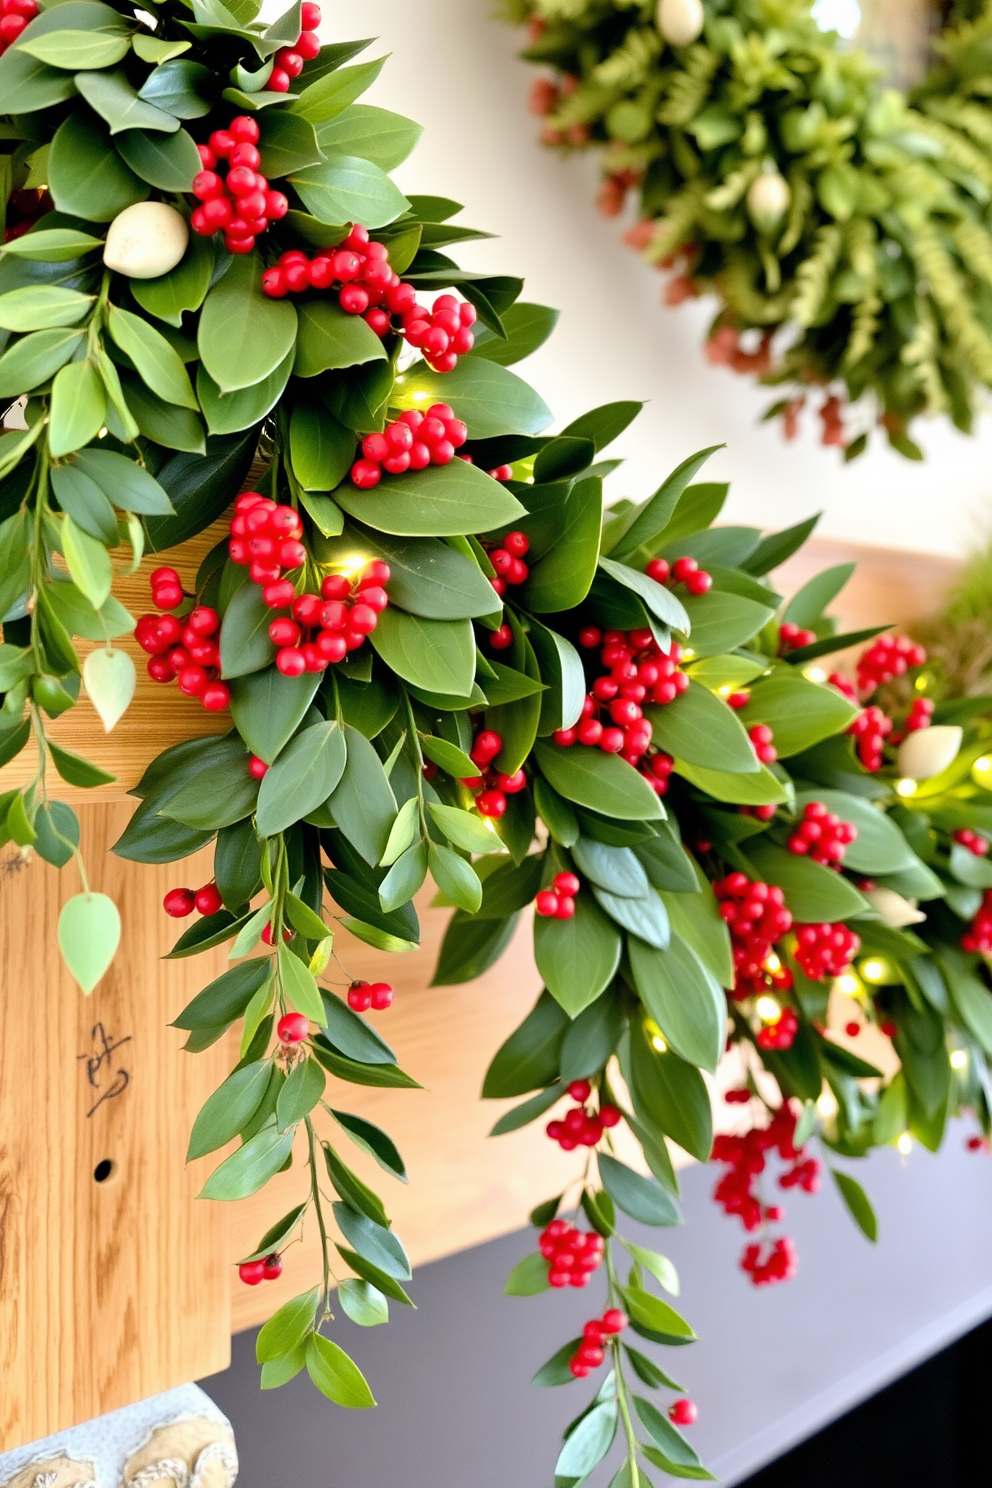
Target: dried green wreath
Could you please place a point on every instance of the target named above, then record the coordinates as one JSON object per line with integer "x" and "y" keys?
{"x": 441, "y": 656}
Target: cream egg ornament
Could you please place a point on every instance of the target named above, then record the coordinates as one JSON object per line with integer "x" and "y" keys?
{"x": 681, "y": 21}
{"x": 928, "y": 752}
{"x": 146, "y": 240}
{"x": 768, "y": 200}
{"x": 896, "y": 911}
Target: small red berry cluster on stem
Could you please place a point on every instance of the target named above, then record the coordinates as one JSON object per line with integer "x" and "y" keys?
{"x": 887, "y": 657}
{"x": 179, "y": 903}
{"x": 822, "y": 836}
{"x": 756, "y": 917}
{"x": 590, "y": 1353}
{"x": 978, "y": 936}
{"x": 241, "y": 204}
{"x": 558, "y": 902}
{"x": 491, "y": 786}
{"x": 973, "y": 841}
{"x": 683, "y": 571}
{"x": 572, "y": 1255}
{"x": 746, "y": 1157}
{"x": 413, "y": 442}
{"x": 870, "y": 730}
{"x": 268, "y": 1268}
{"x": 507, "y": 558}
{"x": 288, "y": 61}
{"x": 792, "y": 637}
{"x": 183, "y": 651}
{"x": 321, "y": 628}
{"x": 14, "y": 16}
{"x": 761, "y": 737}
{"x": 780, "y": 1033}
{"x": 579, "y": 1127}
{"x": 363, "y": 996}
{"x": 825, "y": 950}
{"x": 920, "y": 716}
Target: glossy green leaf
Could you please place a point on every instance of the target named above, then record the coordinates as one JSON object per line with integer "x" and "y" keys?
{"x": 800, "y": 713}
{"x": 372, "y": 133}
{"x": 328, "y": 338}
{"x": 562, "y": 578}
{"x": 363, "y": 1303}
{"x": 683, "y": 998}
{"x": 642, "y": 1198}
{"x": 858, "y": 1204}
{"x": 527, "y": 327}
{"x": 577, "y": 958}
{"x": 229, "y": 1109}
{"x": 89, "y": 933}
{"x": 286, "y": 1328}
{"x": 348, "y": 189}
{"x": 436, "y": 655}
{"x": 491, "y": 399}
{"x": 243, "y": 334}
{"x": 78, "y": 408}
{"x": 302, "y": 777}
{"x": 441, "y": 501}
{"x": 373, "y": 1140}
{"x": 599, "y": 781}
{"x": 250, "y": 1167}
{"x": 331, "y": 94}
{"x": 700, "y": 728}
{"x": 528, "y": 1277}
{"x": 35, "y": 358}
{"x": 814, "y": 894}
{"x": 86, "y": 176}
{"x": 670, "y": 1095}
{"x": 158, "y": 364}
{"x": 588, "y": 1444}
{"x": 267, "y": 708}
{"x": 88, "y": 562}
{"x": 184, "y": 288}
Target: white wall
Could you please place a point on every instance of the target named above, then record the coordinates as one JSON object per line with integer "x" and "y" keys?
{"x": 455, "y": 69}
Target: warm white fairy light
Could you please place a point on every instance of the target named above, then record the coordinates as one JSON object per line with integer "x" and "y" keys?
{"x": 905, "y": 1144}
{"x": 959, "y": 1059}
{"x": 842, "y": 16}
{"x": 849, "y": 984}
{"x": 772, "y": 963}
{"x": 816, "y": 674}
{"x": 906, "y": 787}
{"x": 874, "y": 970}
{"x": 768, "y": 1009}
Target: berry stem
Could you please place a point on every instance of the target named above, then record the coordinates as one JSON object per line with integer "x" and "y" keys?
{"x": 325, "y": 1310}
{"x": 621, "y": 1383}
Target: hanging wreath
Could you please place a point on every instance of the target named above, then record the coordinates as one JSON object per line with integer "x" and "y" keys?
{"x": 439, "y": 656}
{"x": 843, "y": 227}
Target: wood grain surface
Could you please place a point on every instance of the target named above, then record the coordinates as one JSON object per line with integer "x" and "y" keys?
{"x": 109, "y": 1291}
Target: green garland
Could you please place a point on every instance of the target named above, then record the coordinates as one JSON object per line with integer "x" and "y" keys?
{"x": 843, "y": 227}
{"x": 457, "y": 735}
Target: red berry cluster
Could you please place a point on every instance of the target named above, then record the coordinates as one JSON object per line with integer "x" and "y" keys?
{"x": 293, "y": 1028}
{"x": 443, "y": 333}
{"x": 683, "y": 571}
{"x": 920, "y": 716}
{"x": 269, "y": 1269}
{"x": 781, "y": 1033}
{"x": 791, "y": 637}
{"x": 756, "y": 916}
{"x": 978, "y": 936}
{"x": 558, "y": 902}
{"x": 288, "y": 61}
{"x": 413, "y": 442}
{"x": 760, "y": 813}
{"x": 241, "y": 204}
{"x": 572, "y": 1255}
{"x": 777, "y": 1260}
{"x": 14, "y": 16}
{"x": 761, "y": 737}
{"x": 321, "y": 628}
{"x": 376, "y": 996}
{"x": 887, "y": 657}
{"x": 822, "y": 836}
{"x": 179, "y": 903}
{"x": 870, "y": 730}
{"x": 973, "y": 841}
{"x": 746, "y": 1156}
{"x": 507, "y": 558}
{"x": 825, "y": 950}
{"x": 183, "y": 651}
{"x": 579, "y": 1127}
{"x": 590, "y": 1353}
{"x": 637, "y": 671}
{"x": 491, "y": 786}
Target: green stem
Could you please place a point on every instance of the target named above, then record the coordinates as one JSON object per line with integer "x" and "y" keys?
{"x": 325, "y": 1310}
{"x": 622, "y": 1400}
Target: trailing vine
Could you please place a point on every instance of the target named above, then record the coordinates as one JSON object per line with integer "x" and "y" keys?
{"x": 842, "y": 226}
{"x": 440, "y": 656}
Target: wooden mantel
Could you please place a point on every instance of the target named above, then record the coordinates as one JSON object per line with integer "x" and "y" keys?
{"x": 111, "y": 1290}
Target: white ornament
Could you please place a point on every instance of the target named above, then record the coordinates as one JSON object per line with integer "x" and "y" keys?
{"x": 681, "y": 21}
{"x": 109, "y": 678}
{"x": 896, "y": 911}
{"x": 768, "y": 200}
{"x": 146, "y": 240}
{"x": 928, "y": 752}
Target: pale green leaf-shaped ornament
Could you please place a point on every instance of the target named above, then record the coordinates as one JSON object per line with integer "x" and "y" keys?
{"x": 89, "y": 934}
{"x": 109, "y": 678}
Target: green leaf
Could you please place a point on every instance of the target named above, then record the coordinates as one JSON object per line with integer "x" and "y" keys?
{"x": 302, "y": 777}
{"x": 182, "y": 88}
{"x": 371, "y": 133}
{"x": 227, "y": 413}
{"x": 85, "y": 502}
{"x": 86, "y": 176}
{"x": 599, "y": 781}
{"x": 528, "y": 1111}
{"x": 670, "y": 1095}
{"x": 374, "y": 1274}
{"x": 184, "y": 288}
{"x": 78, "y": 409}
{"x": 164, "y": 423}
{"x": 348, "y": 189}
{"x": 229, "y": 1109}
{"x": 879, "y": 847}
{"x": 300, "y": 987}
{"x": 588, "y": 1444}
{"x": 428, "y": 577}
{"x": 456, "y": 879}
{"x": 466, "y": 831}
{"x": 288, "y": 142}
{"x": 800, "y": 713}
{"x": 491, "y": 399}
{"x": 111, "y": 96}
{"x": 528, "y": 1059}
{"x": 224, "y": 999}
{"x": 527, "y": 327}
{"x": 814, "y": 894}
{"x": 56, "y": 829}
{"x": 36, "y": 357}
{"x": 577, "y": 958}
{"x": 436, "y": 655}
{"x": 244, "y": 335}
{"x": 29, "y": 85}
{"x": 441, "y": 501}
{"x": 303, "y": 1089}
{"x": 664, "y": 1272}
{"x": 373, "y": 1140}
{"x": 562, "y": 578}
{"x": 404, "y": 877}
{"x": 124, "y": 482}
{"x": 675, "y": 1455}
{"x": 331, "y": 94}
{"x": 88, "y": 562}
{"x": 452, "y": 760}
{"x": 321, "y": 449}
{"x": 700, "y": 728}
{"x": 267, "y": 708}
{"x": 362, "y": 803}
{"x": 363, "y": 1303}
{"x": 647, "y": 522}
{"x": 218, "y": 795}
{"x": 806, "y": 607}
{"x": 286, "y": 1328}
{"x": 528, "y": 1277}
{"x": 276, "y": 1236}
{"x": 661, "y": 602}
{"x": 645, "y": 918}
{"x": 245, "y": 646}
{"x": 373, "y": 1242}
{"x": 158, "y": 364}
{"x": 328, "y": 338}
{"x": 683, "y": 998}
{"x": 352, "y": 1035}
{"x": 642, "y": 1198}
{"x": 760, "y": 789}
{"x": 556, "y": 1370}
{"x": 470, "y": 947}
{"x": 250, "y": 1167}
{"x": 857, "y": 1203}
{"x": 109, "y": 678}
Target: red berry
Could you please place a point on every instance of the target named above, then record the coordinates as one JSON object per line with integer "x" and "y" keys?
{"x": 546, "y": 903}
{"x": 381, "y": 994}
{"x": 491, "y": 803}
{"x": 208, "y": 900}
{"x": 501, "y": 639}
{"x": 257, "y": 767}
{"x": 568, "y": 883}
{"x": 683, "y": 1412}
{"x": 293, "y": 1028}
{"x": 290, "y": 662}
{"x": 360, "y": 997}
{"x": 252, "y": 1272}
{"x": 580, "y": 1090}
{"x": 179, "y": 903}
{"x": 272, "y": 1267}
{"x": 244, "y": 130}
{"x": 614, "y": 1321}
